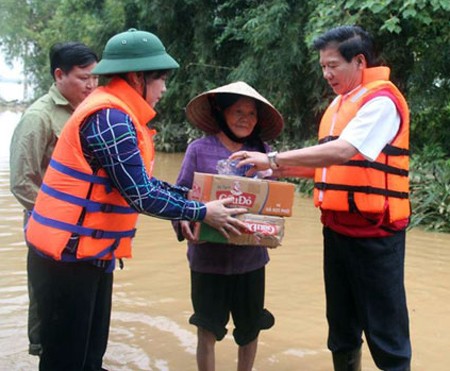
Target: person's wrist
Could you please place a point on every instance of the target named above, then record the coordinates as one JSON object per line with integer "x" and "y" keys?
{"x": 272, "y": 157}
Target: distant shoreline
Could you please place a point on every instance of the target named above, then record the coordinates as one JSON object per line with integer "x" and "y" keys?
{"x": 13, "y": 105}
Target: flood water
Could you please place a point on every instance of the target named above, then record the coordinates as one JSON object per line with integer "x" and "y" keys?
{"x": 151, "y": 304}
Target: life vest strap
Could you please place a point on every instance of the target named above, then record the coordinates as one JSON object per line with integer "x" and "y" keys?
{"x": 390, "y": 150}
{"x": 109, "y": 265}
{"x": 90, "y": 178}
{"x": 353, "y": 208}
{"x": 361, "y": 189}
{"x": 83, "y": 231}
{"x": 328, "y": 138}
{"x": 377, "y": 166}
{"x": 89, "y": 205}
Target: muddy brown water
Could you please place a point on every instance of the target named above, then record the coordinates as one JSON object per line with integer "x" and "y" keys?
{"x": 151, "y": 304}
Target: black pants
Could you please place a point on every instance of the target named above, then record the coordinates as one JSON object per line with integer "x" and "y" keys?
{"x": 34, "y": 323}
{"x": 74, "y": 305}
{"x": 215, "y": 296}
{"x": 364, "y": 282}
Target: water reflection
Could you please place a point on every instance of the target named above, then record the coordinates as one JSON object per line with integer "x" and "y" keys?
{"x": 150, "y": 329}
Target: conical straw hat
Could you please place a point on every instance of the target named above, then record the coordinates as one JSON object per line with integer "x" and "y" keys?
{"x": 199, "y": 112}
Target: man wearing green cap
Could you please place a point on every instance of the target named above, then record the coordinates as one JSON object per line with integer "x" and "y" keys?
{"x": 98, "y": 181}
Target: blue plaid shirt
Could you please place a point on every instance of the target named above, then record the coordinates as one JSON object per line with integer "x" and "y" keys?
{"x": 109, "y": 141}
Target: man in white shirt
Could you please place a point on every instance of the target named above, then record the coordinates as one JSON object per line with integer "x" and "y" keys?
{"x": 360, "y": 168}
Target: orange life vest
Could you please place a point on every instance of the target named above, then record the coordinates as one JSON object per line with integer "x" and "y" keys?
{"x": 361, "y": 186}
{"x": 75, "y": 201}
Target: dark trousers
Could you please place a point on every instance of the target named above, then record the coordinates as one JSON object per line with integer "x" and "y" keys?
{"x": 364, "y": 284}
{"x": 215, "y": 296}
{"x": 74, "y": 305}
{"x": 34, "y": 323}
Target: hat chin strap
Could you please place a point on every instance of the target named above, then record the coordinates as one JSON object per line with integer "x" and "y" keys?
{"x": 226, "y": 130}
{"x": 253, "y": 139}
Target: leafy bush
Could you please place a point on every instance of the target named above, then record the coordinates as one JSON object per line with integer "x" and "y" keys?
{"x": 430, "y": 189}
{"x": 170, "y": 137}
{"x": 303, "y": 185}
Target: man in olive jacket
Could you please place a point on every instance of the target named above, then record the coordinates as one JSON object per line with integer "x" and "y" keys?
{"x": 38, "y": 130}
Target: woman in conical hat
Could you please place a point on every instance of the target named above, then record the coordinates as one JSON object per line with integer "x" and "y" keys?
{"x": 202, "y": 111}
{"x": 227, "y": 279}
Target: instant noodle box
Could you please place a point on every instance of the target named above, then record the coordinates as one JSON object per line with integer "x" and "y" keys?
{"x": 262, "y": 230}
{"x": 259, "y": 196}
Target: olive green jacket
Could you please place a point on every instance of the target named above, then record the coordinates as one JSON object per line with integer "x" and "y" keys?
{"x": 33, "y": 142}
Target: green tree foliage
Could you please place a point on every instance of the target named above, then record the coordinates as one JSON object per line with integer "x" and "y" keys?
{"x": 430, "y": 189}
{"x": 266, "y": 43}
{"x": 23, "y": 23}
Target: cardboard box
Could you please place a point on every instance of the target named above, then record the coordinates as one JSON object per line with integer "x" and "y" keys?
{"x": 263, "y": 230}
{"x": 259, "y": 196}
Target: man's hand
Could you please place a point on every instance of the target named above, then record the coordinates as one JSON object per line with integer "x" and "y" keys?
{"x": 258, "y": 161}
{"x": 221, "y": 217}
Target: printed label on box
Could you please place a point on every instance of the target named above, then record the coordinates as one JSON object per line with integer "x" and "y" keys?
{"x": 262, "y": 230}
{"x": 259, "y": 196}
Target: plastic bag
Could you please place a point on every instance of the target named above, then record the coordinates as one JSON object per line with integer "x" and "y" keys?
{"x": 229, "y": 167}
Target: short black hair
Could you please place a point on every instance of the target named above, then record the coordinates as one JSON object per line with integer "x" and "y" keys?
{"x": 148, "y": 75}
{"x": 225, "y": 100}
{"x": 350, "y": 41}
{"x": 156, "y": 74}
{"x": 70, "y": 54}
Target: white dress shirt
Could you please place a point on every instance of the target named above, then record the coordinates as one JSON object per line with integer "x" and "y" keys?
{"x": 375, "y": 125}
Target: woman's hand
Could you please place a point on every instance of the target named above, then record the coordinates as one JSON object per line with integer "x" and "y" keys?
{"x": 221, "y": 217}
{"x": 187, "y": 230}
